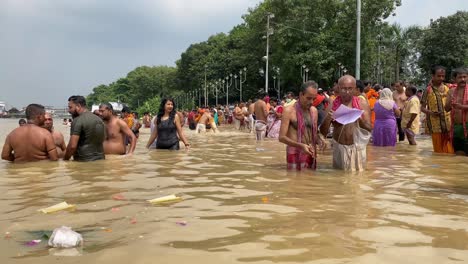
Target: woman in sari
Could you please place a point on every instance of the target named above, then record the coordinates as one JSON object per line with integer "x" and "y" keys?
{"x": 274, "y": 119}
{"x": 385, "y": 126}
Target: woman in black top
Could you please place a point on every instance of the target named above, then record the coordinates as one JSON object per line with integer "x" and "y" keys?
{"x": 168, "y": 128}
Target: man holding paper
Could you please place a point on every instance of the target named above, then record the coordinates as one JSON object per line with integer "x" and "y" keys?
{"x": 350, "y": 117}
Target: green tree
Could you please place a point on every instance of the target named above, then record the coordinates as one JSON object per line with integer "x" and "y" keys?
{"x": 445, "y": 42}
{"x": 151, "y": 105}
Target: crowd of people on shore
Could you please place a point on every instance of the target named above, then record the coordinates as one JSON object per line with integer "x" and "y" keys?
{"x": 351, "y": 113}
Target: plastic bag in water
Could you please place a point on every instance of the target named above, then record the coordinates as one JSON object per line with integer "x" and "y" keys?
{"x": 65, "y": 237}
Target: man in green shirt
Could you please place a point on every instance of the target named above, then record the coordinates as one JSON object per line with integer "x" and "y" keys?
{"x": 87, "y": 132}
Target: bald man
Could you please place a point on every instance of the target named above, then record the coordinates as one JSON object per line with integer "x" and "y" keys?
{"x": 58, "y": 137}
{"x": 347, "y": 154}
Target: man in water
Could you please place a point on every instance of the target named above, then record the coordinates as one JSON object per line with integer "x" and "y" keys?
{"x": 457, "y": 102}
{"x": 399, "y": 96}
{"x": 433, "y": 102}
{"x": 410, "y": 115}
{"x": 299, "y": 130}
{"x": 203, "y": 120}
{"x": 58, "y": 137}
{"x": 261, "y": 114}
{"x": 116, "y": 130}
{"x": 87, "y": 133}
{"x": 146, "y": 119}
{"x": 22, "y": 122}
{"x": 30, "y": 142}
{"x": 347, "y": 154}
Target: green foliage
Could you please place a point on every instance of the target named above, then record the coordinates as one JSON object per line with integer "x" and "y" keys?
{"x": 445, "y": 42}
{"x": 151, "y": 105}
{"x": 138, "y": 86}
{"x": 320, "y": 34}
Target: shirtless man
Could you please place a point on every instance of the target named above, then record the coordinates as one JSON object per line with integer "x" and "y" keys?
{"x": 347, "y": 155}
{"x": 58, "y": 137}
{"x": 457, "y": 103}
{"x": 399, "y": 97}
{"x": 261, "y": 114}
{"x": 204, "y": 119}
{"x": 30, "y": 142}
{"x": 116, "y": 130}
{"x": 251, "y": 116}
{"x": 238, "y": 117}
{"x": 299, "y": 129}
{"x": 146, "y": 120}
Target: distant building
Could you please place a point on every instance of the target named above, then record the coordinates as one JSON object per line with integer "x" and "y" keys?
{"x": 117, "y": 106}
{"x": 3, "y": 110}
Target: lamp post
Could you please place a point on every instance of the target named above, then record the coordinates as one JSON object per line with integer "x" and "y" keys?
{"x": 269, "y": 32}
{"x": 235, "y": 82}
{"x": 304, "y": 72}
{"x": 358, "y": 40}
{"x": 242, "y": 81}
{"x": 339, "y": 70}
{"x": 278, "y": 90}
{"x": 206, "y": 99}
{"x": 228, "y": 84}
{"x": 223, "y": 82}
{"x": 274, "y": 82}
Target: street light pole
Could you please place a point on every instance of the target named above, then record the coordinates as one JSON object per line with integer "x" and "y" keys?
{"x": 303, "y": 72}
{"x": 268, "y": 33}
{"x": 206, "y": 99}
{"x": 242, "y": 81}
{"x": 358, "y": 41}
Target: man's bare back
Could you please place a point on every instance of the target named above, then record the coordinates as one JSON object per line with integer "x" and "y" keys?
{"x": 260, "y": 110}
{"x": 29, "y": 143}
{"x": 59, "y": 143}
{"x": 204, "y": 119}
{"x": 252, "y": 108}
{"x": 238, "y": 113}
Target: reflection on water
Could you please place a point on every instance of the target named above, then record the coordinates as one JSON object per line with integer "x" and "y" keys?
{"x": 239, "y": 205}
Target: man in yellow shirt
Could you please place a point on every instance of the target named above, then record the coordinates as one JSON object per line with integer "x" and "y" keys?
{"x": 410, "y": 115}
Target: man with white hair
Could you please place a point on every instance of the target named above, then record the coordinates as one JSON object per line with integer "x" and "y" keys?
{"x": 348, "y": 154}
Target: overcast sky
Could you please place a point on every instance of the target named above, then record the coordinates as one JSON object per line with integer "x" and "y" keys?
{"x": 51, "y": 49}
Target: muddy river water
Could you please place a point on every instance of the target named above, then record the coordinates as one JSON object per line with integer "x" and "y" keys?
{"x": 240, "y": 205}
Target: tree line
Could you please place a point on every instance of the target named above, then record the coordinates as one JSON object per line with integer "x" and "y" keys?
{"x": 317, "y": 35}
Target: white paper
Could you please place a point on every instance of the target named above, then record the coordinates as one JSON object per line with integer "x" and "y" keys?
{"x": 345, "y": 115}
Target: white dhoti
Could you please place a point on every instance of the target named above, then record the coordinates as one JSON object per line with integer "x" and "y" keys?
{"x": 237, "y": 123}
{"x": 260, "y": 129}
{"x": 249, "y": 123}
{"x": 201, "y": 128}
{"x": 349, "y": 157}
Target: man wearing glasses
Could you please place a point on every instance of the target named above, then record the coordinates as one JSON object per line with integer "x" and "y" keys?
{"x": 348, "y": 152}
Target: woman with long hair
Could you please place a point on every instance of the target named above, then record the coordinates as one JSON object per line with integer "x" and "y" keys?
{"x": 168, "y": 129}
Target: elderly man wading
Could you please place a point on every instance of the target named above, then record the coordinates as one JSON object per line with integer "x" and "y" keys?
{"x": 349, "y": 140}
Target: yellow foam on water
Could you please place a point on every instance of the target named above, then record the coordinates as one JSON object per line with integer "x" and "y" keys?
{"x": 57, "y": 207}
{"x": 168, "y": 198}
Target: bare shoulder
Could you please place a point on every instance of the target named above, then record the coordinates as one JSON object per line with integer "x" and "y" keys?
{"x": 57, "y": 134}
{"x": 363, "y": 101}
{"x": 120, "y": 122}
